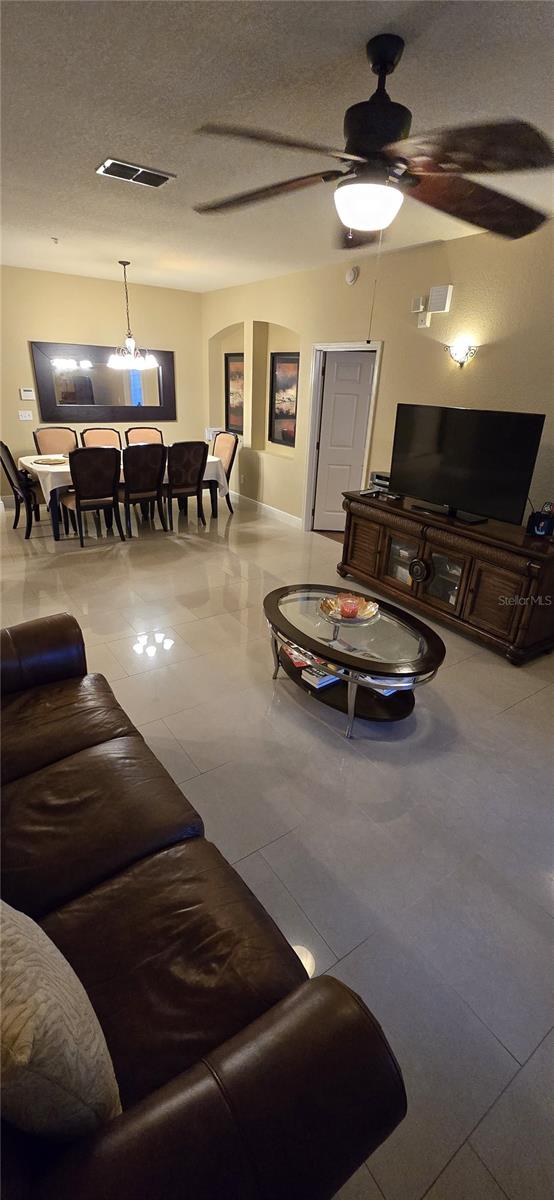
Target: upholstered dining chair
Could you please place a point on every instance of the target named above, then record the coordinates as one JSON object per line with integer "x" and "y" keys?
{"x": 101, "y": 436}
{"x": 186, "y": 463}
{"x": 143, "y": 474}
{"x": 25, "y": 491}
{"x": 55, "y": 439}
{"x": 143, "y": 433}
{"x": 225, "y": 448}
{"x": 95, "y": 472}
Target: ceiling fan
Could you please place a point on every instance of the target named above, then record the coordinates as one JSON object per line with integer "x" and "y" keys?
{"x": 382, "y": 163}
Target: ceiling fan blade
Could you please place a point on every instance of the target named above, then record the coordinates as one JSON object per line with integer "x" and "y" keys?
{"x": 353, "y": 239}
{"x": 265, "y": 193}
{"x": 277, "y": 139}
{"x": 473, "y": 149}
{"x": 479, "y": 205}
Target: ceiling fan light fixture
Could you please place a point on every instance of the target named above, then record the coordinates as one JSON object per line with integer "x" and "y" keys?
{"x": 365, "y": 206}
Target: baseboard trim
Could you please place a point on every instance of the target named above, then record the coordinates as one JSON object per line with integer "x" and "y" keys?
{"x": 278, "y": 513}
{"x": 7, "y": 502}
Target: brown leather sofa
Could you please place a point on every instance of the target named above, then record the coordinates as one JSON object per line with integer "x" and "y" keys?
{"x": 239, "y": 1078}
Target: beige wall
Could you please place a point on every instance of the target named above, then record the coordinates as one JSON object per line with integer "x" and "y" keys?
{"x": 43, "y": 306}
{"x": 228, "y": 341}
{"x": 502, "y": 301}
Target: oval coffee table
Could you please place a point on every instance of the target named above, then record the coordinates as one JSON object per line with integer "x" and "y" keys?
{"x": 378, "y": 662}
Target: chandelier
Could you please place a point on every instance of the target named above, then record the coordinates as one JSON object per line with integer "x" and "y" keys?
{"x": 128, "y": 357}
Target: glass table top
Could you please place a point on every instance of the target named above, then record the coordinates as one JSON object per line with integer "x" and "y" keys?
{"x": 384, "y": 638}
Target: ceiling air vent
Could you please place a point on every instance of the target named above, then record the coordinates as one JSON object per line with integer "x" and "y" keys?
{"x": 133, "y": 174}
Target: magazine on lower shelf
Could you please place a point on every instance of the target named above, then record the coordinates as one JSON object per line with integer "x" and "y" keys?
{"x": 316, "y": 680}
{"x": 299, "y": 659}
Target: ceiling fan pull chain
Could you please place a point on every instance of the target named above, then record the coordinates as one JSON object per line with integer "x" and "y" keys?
{"x": 377, "y": 266}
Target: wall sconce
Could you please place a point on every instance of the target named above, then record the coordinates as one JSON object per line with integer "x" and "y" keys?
{"x": 461, "y": 352}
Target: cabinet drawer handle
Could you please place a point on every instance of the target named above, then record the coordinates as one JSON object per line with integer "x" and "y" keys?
{"x": 419, "y": 570}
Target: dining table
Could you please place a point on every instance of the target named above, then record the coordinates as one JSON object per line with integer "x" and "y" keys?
{"x": 55, "y": 478}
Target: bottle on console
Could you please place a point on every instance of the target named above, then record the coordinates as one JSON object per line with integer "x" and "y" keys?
{"x": 541, "y": 524}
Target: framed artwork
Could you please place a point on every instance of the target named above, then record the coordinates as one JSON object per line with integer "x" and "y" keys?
{"x": 234, "y": 393}
{"x": 283, "y": 394}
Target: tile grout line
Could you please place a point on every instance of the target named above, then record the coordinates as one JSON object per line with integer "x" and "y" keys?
{"x": 261, "y": 849}
{"x": 437, "y": 971}
{"x": 465, "y": 1142}
{"x": 377, "y": 1185}
{"x": 293, "y": 898}
{"x": 485, "y": 1115}
{"x": 452, "y": 987}
{"x": 522, "y": 701}
{"x": 488, "y": 1170}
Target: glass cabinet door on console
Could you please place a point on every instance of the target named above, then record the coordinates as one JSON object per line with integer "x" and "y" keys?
{"x": 399, "y": 551}
{"x": 444, "y": 585}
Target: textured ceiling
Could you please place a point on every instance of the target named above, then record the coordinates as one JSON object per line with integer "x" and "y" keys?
{"x": 83, "y": 81}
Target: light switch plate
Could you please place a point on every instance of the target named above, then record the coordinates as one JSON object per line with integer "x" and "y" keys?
{"x": 25, "y": 414}
{"x": 27, "y": 394}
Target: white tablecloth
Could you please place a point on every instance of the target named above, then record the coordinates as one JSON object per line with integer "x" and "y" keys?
{"x": 50, "y": 476}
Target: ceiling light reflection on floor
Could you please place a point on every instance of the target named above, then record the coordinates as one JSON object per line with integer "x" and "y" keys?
{"x": 306, "y": 958}
{"x": 144, "y": 646}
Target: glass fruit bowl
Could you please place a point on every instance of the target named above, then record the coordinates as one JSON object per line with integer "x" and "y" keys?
{"x": 345, "y": 608}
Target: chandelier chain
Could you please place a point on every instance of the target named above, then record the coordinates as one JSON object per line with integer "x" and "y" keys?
{"x": 129, "y": 334}
{"x": 129, "y": 357}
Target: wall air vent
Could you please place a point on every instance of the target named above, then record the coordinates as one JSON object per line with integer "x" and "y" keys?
{"x": 132, "y": 173}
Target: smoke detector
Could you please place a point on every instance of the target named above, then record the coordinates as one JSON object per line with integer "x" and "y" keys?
{"x": 351, "y": 276}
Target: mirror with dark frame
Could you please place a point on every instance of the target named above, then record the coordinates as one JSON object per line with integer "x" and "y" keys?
{"x": 75, "y": 383}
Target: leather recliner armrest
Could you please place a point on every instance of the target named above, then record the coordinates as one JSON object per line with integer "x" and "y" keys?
{"x": 286, "y": 1110}
{"x": 41, "y": 651}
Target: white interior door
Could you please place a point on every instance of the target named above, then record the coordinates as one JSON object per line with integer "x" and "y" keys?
{"x": 343, "y": 432}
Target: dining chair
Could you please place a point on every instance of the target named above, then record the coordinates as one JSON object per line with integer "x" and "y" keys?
{"x": 186, "y": 464}
{"x": 95, "y": 472}
{"x": 24, "y": 490}
{"x": 142, "y": 434}
{"x": 101, "y": 436}
{"x": 143, "y": 474}
{"x": 225, "y": 448}
{"x": 55, "y": 439}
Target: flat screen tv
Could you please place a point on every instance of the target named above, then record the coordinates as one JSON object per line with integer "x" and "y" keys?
{"x": 467, "y": 459}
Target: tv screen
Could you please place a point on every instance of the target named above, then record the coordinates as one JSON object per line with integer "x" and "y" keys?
{"x": 469, "y": 459}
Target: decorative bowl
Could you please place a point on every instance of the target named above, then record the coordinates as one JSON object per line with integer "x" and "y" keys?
{"x": 332, "y": 607}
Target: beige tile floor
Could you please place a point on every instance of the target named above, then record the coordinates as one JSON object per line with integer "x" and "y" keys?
{"x": 414, "y": 862}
